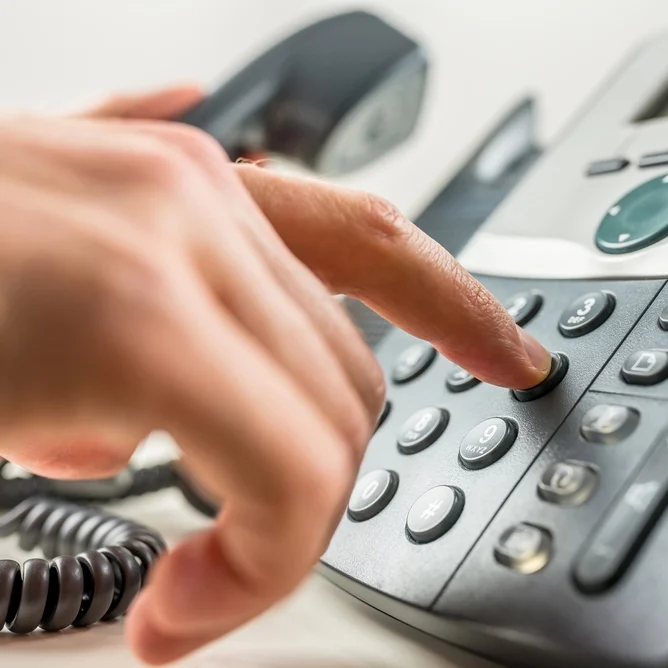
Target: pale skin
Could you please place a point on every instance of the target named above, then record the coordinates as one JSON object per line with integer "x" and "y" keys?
{"x": 146, "y": 283}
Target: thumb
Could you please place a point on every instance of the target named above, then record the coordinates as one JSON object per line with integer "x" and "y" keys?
{"x": 165, "y": 104}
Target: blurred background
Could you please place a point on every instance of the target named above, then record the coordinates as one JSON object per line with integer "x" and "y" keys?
{"x": 485, "y": 55}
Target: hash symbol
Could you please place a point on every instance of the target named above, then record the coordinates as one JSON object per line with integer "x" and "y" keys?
{"x": 430, "y": 511}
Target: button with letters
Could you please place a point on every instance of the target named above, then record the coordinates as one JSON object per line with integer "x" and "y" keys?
{"x": 422, "y": 429}
{"x": 524, "y": 306}
{"x": 568, "y": 483}
{"x": 460, "y": 380}
{"x": 646, "y": 367}
{"x": 487, "y": 443}
{"x": 412, "y": 362}
{"x": 586, "y": 313}
{"x": 608, "y": 423}
{"x": 372, "y": 493}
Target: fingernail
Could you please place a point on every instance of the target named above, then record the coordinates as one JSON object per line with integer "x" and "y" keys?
{"x": 540, "y": 357}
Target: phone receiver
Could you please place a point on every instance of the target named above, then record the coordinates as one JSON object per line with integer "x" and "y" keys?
{"x": 333, "y": 97}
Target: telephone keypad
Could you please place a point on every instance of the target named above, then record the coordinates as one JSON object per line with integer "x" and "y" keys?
{"x": 422, "y": 429}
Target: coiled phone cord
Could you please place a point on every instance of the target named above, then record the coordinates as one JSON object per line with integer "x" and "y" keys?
{"x": 95, "y": 565}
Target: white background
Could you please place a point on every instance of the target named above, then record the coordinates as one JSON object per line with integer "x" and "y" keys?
{"x": 486, "y": 54}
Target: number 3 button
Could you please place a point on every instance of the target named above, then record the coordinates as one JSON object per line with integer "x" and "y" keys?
{"x": 487, "y": 443}
{"x": 586, "y": 313}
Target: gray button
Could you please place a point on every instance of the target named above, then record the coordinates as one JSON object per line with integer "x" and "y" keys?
{"x": 371, "y": 494}
{"x": 487, "y": 443}
{"x": 412, "y": 362}
{"x": 568, "y": 483}
{"x": 422, "y": 429}
{"x": 434, "y": 513}
{"x": 459, "y": 380}
{"x": 524, "y": 548}
{"x": 523, "y": 306}
{"x": 646, "y": 367}
{"x": 608, "y": 423}
{"x": 663, "y": 318}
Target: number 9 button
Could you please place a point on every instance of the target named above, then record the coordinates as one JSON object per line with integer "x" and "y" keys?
{"x": 487, "y": 443}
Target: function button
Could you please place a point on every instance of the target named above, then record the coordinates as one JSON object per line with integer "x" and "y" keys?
{"x": 371, "y": 494}
{"x": 646, "y": 367}
{"x": 663, "y": 318}
{"x": 434, "y": 513}
{"x": 412, "y": 362}
{"x": 524, "y": 306}
{"x": 654, "y": 159}
{"x": 637, "y": 220}
{"x": 387, "y": 409}
{"x": 556, "y": 375}
{"x": 607, "y": 166}
{"x": 524, "y": 548}
{"x": 621, "y": 533}
{"x": 568, "y": 483}
{"x": 586, "y": 313}
{"x": 460, "y": 380}
{"x": 422, "y": 429}
{"x": 487, "y": 443}
{"x": 608, "y": 423}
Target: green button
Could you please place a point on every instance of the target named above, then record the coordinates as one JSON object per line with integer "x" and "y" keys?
{"x": 637, "y": 220}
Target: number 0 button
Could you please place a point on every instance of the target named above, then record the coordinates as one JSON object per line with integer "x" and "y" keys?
{"x": 586, "y": 313}
{"x": 371, "y": 494}
{"x": 487, "y": 443}
{"x": 422, "y": 429}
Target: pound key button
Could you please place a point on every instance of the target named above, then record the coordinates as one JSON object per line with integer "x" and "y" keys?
{"x": 434, "y": 513}
{"x": 586, "y": 313}
{"x": 487, "y": 443}
{"x": 524, "y": 548}
{"x": 372, "y": 493}
{"x": 646, "y": 367}
{"x": 412, "y": 362}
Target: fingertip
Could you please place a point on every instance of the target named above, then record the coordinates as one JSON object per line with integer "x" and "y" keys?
{"x": 539, "y": 356}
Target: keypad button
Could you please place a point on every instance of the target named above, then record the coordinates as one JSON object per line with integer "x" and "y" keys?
{"x": 460, "y": 380}
{"x": 608, "y": 423}
{"x": 422, "y": 429}
{"x": 556, "y": 375}
{"x": 487, "y": 443}
{"x": 568, "y": 483}
{"x": 434, "y": 513}
{"x": 646, "y": 367}
{"x": 524, "y": 306}
{"x": 653, "y": 160}
{"x": 387, "y": 409}
{"x": 608, "y": 166}
{"x": 371, "y": 494}
{"x": 586, "y": 313}
{"x": 524, "y": 548}
{"x": 663, "y": 318}
{"x": 412, "y": 362}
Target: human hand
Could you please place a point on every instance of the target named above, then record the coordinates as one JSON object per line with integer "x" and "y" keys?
{"x": 148, "y": 284}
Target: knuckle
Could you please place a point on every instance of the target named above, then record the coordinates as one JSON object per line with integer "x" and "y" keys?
{"x": 384, "y": 220}
{"x": 201, "y": 145}
{"x": 156, "y": 163}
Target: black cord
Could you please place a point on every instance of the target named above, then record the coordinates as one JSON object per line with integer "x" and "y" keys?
{"x": 95, "y": 565}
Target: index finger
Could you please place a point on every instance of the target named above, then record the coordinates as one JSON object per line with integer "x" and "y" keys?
{"x": 362, "y": 246}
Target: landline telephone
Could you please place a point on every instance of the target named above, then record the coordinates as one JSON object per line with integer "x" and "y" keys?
{"x": 525, "y": 527}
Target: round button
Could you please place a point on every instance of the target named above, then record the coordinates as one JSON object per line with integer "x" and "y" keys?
{"x": 556, "y": 375}
{"x": 387, "y": 409}
{"x": 524, "y": 548}
{"x": 586, "y": 313}
{"x": 434, "y": 513}
{"x": 487, "y": 443}
{"x": 568, "y": 483}
{"x": 372, "y": 493}
{"x": 412, "y": 362}
{"x": 608, "y": 423}
{"x": 663, "y": 318}
{"x": 637, "y": 220}
{"x": 524, "y": 306}
{"x": 422, "y": 429}
{"x": 460, "y": 380}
